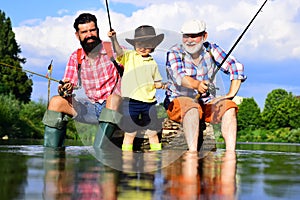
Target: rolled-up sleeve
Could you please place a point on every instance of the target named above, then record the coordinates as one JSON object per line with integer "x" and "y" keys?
{"x": 231, "y": 66}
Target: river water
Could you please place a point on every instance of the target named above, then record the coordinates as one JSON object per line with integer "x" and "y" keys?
{"x": 254, "y": 171}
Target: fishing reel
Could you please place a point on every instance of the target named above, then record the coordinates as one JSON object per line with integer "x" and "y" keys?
{"x": 65, "y": 90}
{"x": 212, "y": 89}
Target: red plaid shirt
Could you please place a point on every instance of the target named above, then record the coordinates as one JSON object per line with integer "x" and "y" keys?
{"x": 99, "y": 77}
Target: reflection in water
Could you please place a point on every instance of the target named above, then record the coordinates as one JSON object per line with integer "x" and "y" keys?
{"x": 35, "y": 172}
{"x": 189, "y": 177}
{"x": 62, "y": 181}
{"x": 210, "y": 177}
{"x": 184, "y": 181}
{"x": 135, "y": 161}
{"x": 56, "y": 177}
{"x": 13, "y": 174}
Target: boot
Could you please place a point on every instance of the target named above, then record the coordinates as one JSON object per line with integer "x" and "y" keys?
{"x": 55, "y": 128}
{"x": 104, "y": 134}
{"x": 108, "y": 121}
{"x": 54, "y": 137}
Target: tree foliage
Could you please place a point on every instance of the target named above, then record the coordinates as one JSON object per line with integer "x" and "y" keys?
{"x": 281, "y": 110}
{"x": 9, "y": 113}
{"x": 13, "y": 79}
{"x": 248, "y": 117}
{"x": 30, "y": 119}
{"x": 20, "y": 120}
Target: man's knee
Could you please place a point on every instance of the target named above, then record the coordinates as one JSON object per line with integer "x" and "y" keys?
{"x": 55, "y": 103}
{"x": 230, "y": 112}
{"x": 180, "y": 106}
{"x": 191, "y": 116}
{"x": 113, "y": 102}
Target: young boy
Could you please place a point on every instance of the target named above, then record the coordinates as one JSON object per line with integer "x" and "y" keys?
{"x": 140, "y": 80}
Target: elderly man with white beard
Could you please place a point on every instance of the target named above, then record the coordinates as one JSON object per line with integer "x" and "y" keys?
{"x": 189, "y": 68}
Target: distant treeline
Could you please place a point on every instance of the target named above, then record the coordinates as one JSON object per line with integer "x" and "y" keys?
{"x": 278, "y": 122}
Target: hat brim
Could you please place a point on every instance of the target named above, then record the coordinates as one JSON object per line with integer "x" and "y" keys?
{"x": 155, "y": 40}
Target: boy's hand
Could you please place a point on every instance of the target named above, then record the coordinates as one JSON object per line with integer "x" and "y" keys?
{"x": 111, "y": 33}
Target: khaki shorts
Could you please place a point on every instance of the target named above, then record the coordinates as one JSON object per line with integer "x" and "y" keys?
{"x": 211, "y": 113}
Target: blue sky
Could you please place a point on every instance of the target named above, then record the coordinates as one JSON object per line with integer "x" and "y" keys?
{"x": 270, "y": 49}
{"x": 36, "y": 9}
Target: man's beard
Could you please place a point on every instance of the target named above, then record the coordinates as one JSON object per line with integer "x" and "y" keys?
{"x": 89, "y": 47}
{"x": 192, "y": 49}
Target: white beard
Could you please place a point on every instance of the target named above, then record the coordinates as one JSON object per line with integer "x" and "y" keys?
{"x": 193, "y": 49}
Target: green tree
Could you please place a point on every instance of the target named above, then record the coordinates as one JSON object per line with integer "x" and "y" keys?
{"x": 13, "y": 79}
{"x": 294, "y": 115}
{"x": 249, "y": 117}
{"x": 281, "y": 110}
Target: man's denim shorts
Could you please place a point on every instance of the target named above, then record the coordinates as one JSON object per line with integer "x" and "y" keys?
{"x": 87, "y": 112}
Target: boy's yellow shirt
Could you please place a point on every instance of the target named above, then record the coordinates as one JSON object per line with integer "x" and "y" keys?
{"x": 139, "y": 76}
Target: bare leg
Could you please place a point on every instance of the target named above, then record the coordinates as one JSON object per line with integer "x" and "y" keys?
{"x": 228, "y": 173}
{"x": 191, "y": 128}
{"x": 229, "y": 129}
{"x": 190, "y": 176}
{"x": 60, "y": 104}
{"x": 113, "y": 102}
{"x": 129, "y": 137}
{"x": 153, "y": 138}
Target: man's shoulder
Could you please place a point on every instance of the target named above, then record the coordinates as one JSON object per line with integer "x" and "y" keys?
{"x": 210, "y": 46}
{"x": 78, "y": 51}
{"x": 176, "y": 48}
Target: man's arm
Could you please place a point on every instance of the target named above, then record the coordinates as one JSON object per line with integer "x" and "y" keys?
{"x": 176, "y": 67}
{"x": 191, "y": 83}
{"x": 234, "y": 88}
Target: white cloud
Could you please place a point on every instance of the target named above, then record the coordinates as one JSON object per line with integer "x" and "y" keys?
{"x": 274, "y": 27}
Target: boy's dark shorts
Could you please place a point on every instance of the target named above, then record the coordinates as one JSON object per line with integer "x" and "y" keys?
{"x": 138, "y": 115}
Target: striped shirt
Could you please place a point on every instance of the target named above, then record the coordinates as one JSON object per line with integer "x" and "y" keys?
{"x": 99, "y": 76}
{"x": 180, "y": 63}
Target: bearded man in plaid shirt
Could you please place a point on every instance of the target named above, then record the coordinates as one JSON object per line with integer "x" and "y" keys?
{"x": 90, "y": 71}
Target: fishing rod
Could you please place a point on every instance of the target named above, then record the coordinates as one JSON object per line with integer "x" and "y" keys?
{"x": 119, "y": 69}
{"x": 211, "y": 86}
{"x": 31, "y": 72}
{"x": 108, "y": 15}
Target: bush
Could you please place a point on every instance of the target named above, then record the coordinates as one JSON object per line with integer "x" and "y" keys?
{"x": 9, "y": 115}
{"x": 30, "y": 122}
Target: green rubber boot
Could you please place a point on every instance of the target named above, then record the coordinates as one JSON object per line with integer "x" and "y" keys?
{"x": 104, "y": 134}
{"x": 108, "y": 121}
{"x": 55, "y": 128}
